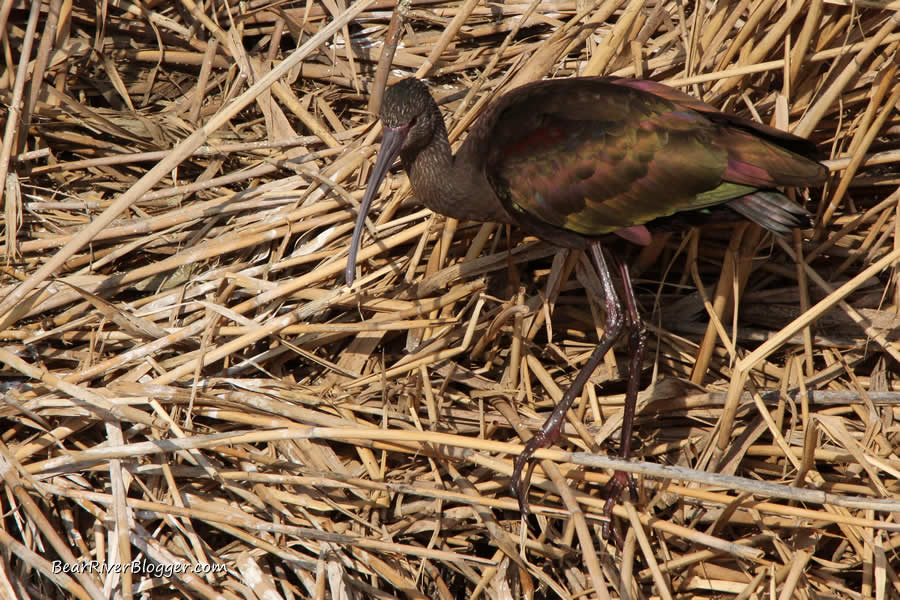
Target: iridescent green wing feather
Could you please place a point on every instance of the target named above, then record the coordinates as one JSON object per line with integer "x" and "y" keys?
{"x": 599, "y": 156}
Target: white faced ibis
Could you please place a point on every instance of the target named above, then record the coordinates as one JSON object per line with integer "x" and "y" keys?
{"x": 571, "y": 160}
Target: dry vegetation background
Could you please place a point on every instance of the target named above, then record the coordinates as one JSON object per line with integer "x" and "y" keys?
{"x": 187, "y": 380}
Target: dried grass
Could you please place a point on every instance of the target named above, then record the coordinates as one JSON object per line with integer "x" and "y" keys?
{"x": 188, "y": 382}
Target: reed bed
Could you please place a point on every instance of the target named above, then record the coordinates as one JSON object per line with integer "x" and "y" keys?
{"x": 196, "y": 406}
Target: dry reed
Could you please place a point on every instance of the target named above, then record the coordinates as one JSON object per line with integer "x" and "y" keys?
{"x": 187, "y": 382}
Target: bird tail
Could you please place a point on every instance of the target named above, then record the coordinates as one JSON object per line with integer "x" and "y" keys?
{"x": 773, "y": 210}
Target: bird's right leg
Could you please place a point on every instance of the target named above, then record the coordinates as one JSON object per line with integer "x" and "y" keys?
{"x": 552, "y": 427}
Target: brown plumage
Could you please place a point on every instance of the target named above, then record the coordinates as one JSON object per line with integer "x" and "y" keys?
{"x": 573, "y": 160}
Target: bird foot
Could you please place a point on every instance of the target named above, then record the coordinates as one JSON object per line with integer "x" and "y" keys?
{"x": 611, "y": 491}
{"x": 519, "y": 483}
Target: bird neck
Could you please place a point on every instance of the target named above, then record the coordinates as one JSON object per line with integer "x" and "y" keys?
{"x": 449, "y": 186}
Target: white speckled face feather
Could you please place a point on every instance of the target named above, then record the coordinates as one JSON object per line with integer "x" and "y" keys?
{"x": 404, "y": 101}
{"x": 408, "y": 105}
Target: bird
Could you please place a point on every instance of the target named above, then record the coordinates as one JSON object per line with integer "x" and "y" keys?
{"x": 579, "y": 161}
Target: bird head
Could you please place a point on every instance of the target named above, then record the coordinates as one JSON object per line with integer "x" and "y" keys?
{"x": 410, "y": 119}
{"x": 409, "y": 116}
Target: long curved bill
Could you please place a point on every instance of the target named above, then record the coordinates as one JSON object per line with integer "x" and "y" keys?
{"x": 391, "y": 144}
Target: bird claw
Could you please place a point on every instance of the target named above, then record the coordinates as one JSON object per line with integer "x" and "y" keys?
{"x": 519, "y": 484}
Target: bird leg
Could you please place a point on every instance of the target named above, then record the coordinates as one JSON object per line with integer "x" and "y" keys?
{"x": 552, "y": 427}
{"x": 637, "y": 346}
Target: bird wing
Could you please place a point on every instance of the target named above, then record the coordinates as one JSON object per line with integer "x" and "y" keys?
{"x": 594, "y": 156}
{"x": 757, "y": 154}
